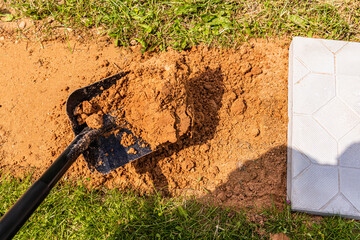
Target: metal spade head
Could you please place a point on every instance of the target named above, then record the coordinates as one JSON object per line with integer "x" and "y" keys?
{"x": 105, "y": 153}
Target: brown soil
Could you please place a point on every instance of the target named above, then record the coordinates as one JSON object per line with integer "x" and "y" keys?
{"x": 236, "y": 152}
{"x": 153, "y": 98}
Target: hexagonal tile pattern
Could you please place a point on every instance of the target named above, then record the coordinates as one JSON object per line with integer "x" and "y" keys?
{"x": 321, "y": 60}
{"x": 324, "y": 127}
{"x": 341, "y": 206}
{"x": 349, "y": 184}
{"x": 333, "y": 46}
{"x": 309, "y": 135}
{"x": 320, "y": 183}
{"x": 334, "y": 114}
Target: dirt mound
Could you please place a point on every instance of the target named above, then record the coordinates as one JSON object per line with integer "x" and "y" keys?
{"x": 153, "y": 99}
{"x": 237, "y": 121}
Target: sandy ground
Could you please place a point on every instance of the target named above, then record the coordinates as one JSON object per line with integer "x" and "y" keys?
{"x": 236, "y": 154}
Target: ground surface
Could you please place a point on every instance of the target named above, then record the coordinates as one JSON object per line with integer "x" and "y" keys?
{"x": 237, "y": 154}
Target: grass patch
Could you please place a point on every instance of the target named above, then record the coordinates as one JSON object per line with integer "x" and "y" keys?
{"x": 182, "y": 24}
{"x": 76, "y": 212}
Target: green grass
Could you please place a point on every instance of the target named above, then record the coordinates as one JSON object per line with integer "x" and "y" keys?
{"x": 157, "y": 24}
{"x": 76, "y": 212}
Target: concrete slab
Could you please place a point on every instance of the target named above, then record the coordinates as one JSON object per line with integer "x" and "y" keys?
{"x": 324, "y": 127}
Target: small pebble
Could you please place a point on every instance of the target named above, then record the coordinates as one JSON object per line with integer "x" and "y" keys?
{"x": 238, "y": 106}
{"x": 232, "y": 96}
{"x": 204, "y": 148}
{"x": 222, "y": 196}
{"x": 22, "y": 24}
{"x": 132, "y": 151}
{"x": 256, "y": 71}
{"x": 94, "y": 121}
{"x": 255, "y": 132}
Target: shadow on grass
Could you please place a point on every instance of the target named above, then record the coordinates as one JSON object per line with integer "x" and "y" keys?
{"x": 186, "y": 219}
{"x": 226, "y": 212}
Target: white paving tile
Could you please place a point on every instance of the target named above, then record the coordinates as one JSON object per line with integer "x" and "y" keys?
{"x": 321, "y": 59}
{"x": 312, "y": 92}
{"x": 300, "y": 71}
{"x": 324, "y": 127}
{"x": 315, "y": 187}
{"x": 348, "y": 60}
{"x": 299, "y": 162}
{"x": 349, "y": 185}
{"x": 349, "y": 149}
{"x": 339, "y": 205}
{"x": 334, "y": 114}
{"x": 333, "y": 45}
{"x": 349, "y": 90}
{"x": 309, "y": 135}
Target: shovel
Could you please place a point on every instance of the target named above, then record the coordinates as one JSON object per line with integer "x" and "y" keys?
{"x": 101, "y": 153}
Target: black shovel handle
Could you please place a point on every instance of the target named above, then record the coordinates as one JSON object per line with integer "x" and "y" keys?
{"x": 13, "y": 220}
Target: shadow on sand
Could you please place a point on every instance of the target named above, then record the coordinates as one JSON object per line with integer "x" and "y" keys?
{"x": 204, "y": 93}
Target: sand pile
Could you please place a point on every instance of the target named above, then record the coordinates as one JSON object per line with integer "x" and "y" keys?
{"x": 153, "y": 98}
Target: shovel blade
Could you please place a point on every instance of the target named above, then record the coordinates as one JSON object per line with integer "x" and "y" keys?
{"x": 106, "y": 153}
